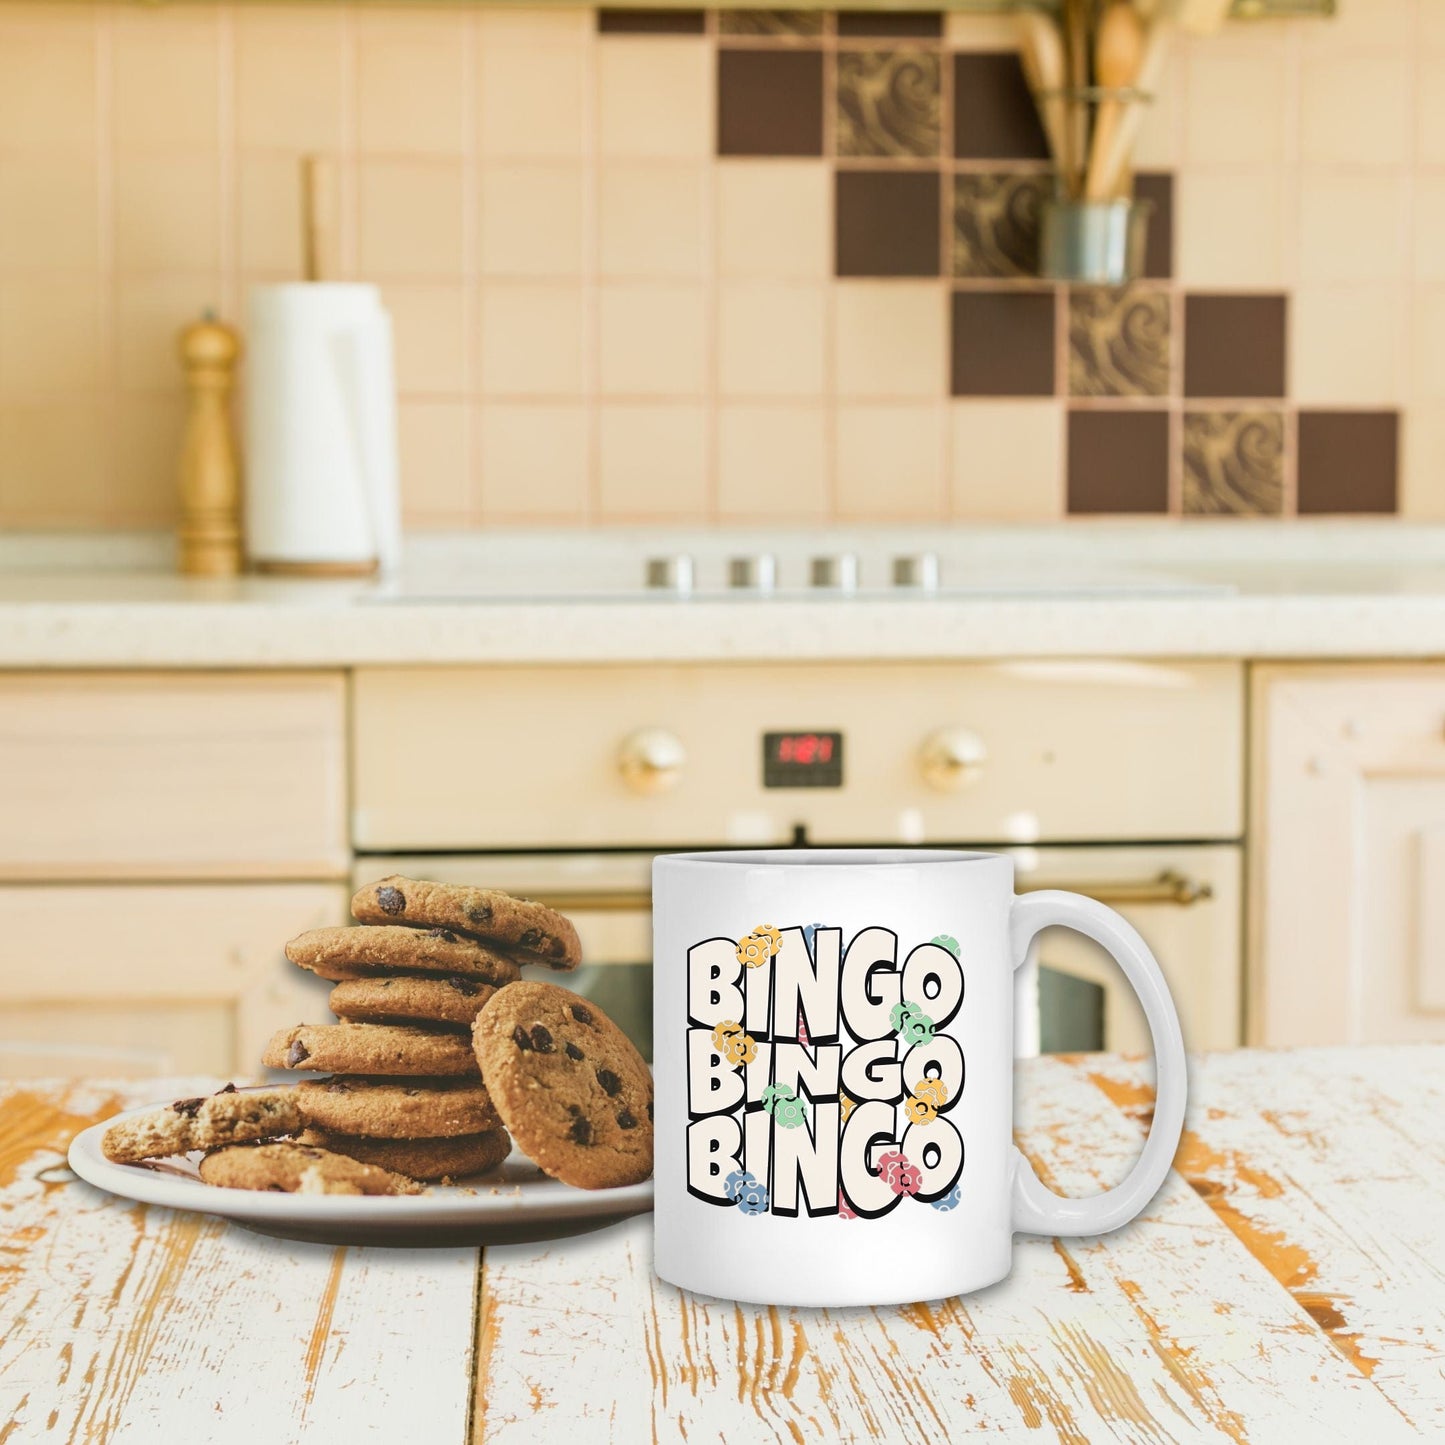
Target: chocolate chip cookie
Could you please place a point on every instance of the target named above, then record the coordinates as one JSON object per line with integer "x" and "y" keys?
{"x": 349, "y": 1048}
{"x": 452, "y": 1002}
{"x": 360, "y": 952}
{"x": 233, "y": 1116}
{"x": 397, "y": 1108}
{"x": 299, "y": 1168}
{"x": 531, "y": 931}
{"x": 570, "y": 1087}
{"x": 453, "y": 1158}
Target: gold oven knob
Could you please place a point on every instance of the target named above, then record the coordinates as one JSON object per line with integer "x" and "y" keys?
{"x": 952, "y": 758}
{"x": 651, "y": 760}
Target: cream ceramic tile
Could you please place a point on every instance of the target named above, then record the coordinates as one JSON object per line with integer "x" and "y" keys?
{"x": 1347, "y": 346}
{"x": 772, "y": 464}
{"x": 268, "y": 213}
{"x": 1428, "y": 212}
{"x": 150, "y": 313}
{"x": 412, "y": 80}
{"x": 1430, "y": 109}
{"x": 536, "y": 462}
{"x": 1427, "y": 325}
{"x": 890, "y": 339}
{"x": 290, "y": 69}
{"x": 651, "y": 340}
{"x": 1355, "y": 110}
{"x": 651, "y": 219}
{"x": 771, "y": 338}
{"x": 1160, "y": 143}
{"x": 774, "y": 219}
{"x": 1352, "y": 227}
{"x": 1234, "y": 108}
{"x": 48, "y": 83}
{"x": 652, "y": 462}
{"x": 431, "y": 336}
{"x": 1007, "y": 460}
{"x": 1361, "y": 25}
{"x": 52, "y": 331}
{"x": 52, "y": 463}
{"x": 434, "y": 446}
{"x": 411, "y": 222}
{"x": 1422, "y": 463}
{"x": 147, "y": 447}
{"x": 532, "y": 102}
{"x": 167, "y": 213}
{"x": 655, "y": 97}
{"x": 533, "y": 339}
{"x": 165, "y": 78}
{"x": 534, "y": 25}
{"x": 49, "y": 213}
{"x": 965, "y": 31}
{"x": 1229, "y": 228}
{"x": 890, "y": 462}
{"x": 532, "y": 220}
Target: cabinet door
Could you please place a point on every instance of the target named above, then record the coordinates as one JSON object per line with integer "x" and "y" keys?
{"x": 154, "y": 979}
{"x": 1347, "y": 897}
{"x": 174, "y": 775}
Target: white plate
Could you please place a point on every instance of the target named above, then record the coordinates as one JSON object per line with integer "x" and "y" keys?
{"x": 513, "y": 1204}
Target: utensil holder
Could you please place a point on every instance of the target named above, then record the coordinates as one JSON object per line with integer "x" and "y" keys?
{"x": 1097, "y": 243}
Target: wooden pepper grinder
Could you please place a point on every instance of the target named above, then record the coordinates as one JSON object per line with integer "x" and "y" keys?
{"x": 210, "y": 527}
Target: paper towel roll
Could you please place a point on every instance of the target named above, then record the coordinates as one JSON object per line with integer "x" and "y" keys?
{"x": 321, "y": 467}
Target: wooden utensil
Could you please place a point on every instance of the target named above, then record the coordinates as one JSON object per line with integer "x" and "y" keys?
{"x": 210, "y": 482}
{"x": 1114, "y": 162}
{"x": 1076, "y": 55}
{"x": 1202, "y": 17}
{"x": 318, "y": 210}
{"x": 1118, "y": 55}
{"x": 1041, "y": 52}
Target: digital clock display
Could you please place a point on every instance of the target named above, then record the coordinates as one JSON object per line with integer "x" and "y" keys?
{"x": 803, "y": 760}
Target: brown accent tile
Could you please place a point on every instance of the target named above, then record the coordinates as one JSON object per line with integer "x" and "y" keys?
{"x": 993, "y": 113}
{"x": 996, "y": 224}
{"x": 886, "y": 23}
{"x": 770, "y": 103}
{"x": 887, "y": 223}
{"x": 1158, "y": 188}
{"x": 780, "y": 23}
{"x": 1234, "y": 345}
{"x": 1118, "y": 341}
{"x": 1233, "y": 463}
{"x": 1003, "y": 343}
{"x": 1348, "y": 461}
{"x": 651, "y": 22}
{"x": 1118, "y": 461}
{"x": 889, "y": 103}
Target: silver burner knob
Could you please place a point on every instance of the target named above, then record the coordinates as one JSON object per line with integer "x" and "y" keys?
{"x": 916, "y": 569}
{"x": 838, "y": 572}
{"x": 757, "y": 573}
{"x": 670, "y": 574}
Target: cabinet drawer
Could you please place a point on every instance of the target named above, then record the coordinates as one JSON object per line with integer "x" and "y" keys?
{"x": 462, "y": 758}
{"x": 180, "y": 776}
{"x": 155, "y": 977}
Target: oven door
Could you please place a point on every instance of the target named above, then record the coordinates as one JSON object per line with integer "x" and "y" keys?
{"x": 1184, "y": 899}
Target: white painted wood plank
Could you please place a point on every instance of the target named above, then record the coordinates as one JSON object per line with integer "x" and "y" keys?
{"x": 1329, "y": 1165}
{"x": 120, "y": 1322}
{"x": 1168, "y": 1330}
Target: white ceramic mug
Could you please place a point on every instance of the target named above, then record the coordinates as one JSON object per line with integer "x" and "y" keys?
{"x": 833, "y": 1047}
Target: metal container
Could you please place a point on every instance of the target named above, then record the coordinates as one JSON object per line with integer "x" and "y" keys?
{"x": 1099, "y": 243}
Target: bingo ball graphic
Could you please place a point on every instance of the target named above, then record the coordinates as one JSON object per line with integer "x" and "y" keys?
{"x": 727, "y": 1029}
{"x": 784, "y": 1105}
{"x": 934, "y": 1090}
{"x": 949, "y": 1200}
{"x": 900, "y": 1012}
{"x": 921, "y": 1111}
{"x": 733, "y": 1184}
{"x": 944, "y": 940}
{"x": 898, "y": 1174}
{"x": 917, "y": 1029}
{"x": 843, "y": 1211}
{"x": 752, "y": 1197}
{"x": 845, "y": 1107}
{"x": 753, "y": 952}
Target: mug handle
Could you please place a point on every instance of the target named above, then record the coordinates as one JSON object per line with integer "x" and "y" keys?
{"x": 1037, "y": 1210}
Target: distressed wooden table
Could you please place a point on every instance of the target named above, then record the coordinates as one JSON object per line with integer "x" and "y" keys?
{"x": 1288, "y": 1284}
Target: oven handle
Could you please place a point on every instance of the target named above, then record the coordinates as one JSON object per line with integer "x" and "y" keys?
{"x": 1169, "y": 887}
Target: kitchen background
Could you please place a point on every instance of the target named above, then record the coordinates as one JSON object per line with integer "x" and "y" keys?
{"x": 740, "y": 267}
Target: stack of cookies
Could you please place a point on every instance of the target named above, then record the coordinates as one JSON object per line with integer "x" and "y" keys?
{"x": 411, "y": 976}
{"x": 439, "y": 1059}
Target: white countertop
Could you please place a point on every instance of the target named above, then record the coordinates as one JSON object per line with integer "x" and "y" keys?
{"x": 1152, "y": 589}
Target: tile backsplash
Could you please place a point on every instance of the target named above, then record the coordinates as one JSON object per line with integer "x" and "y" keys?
{"x": 734, "y": 266}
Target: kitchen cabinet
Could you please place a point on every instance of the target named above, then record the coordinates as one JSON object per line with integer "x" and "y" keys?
{"x": 173, "y": 775}
{"x": 1347, "y": 896}
{"x": 141, "y": 979}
